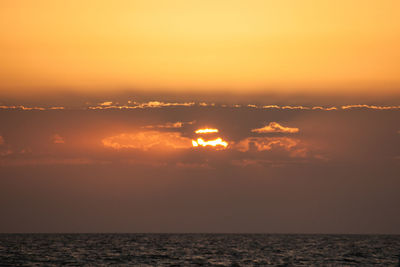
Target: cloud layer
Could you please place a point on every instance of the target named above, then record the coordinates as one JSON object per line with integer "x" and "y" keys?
{"x": 162, "y": 104}
{"x": 274, "y": 127}
{"x": 139, "y": 168}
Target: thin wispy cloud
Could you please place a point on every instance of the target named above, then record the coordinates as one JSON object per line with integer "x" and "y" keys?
{"x": 161, "y": 104}
{"x": 106, "y": 103}
{"x": 370, "y": 107}
{"x": 169, "y": 125}
{"x": 22, "y": 107}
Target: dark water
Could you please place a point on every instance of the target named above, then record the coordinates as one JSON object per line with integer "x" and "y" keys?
{"x": 198, "y": 250}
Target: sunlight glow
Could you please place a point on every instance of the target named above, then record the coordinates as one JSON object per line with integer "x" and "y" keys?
{"x": 146, "y": 140}
{"x": 206, "y": 130}
{"x": 214, "y": 143}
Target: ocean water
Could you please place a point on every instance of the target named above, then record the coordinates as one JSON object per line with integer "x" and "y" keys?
{"x": 198, "y": 250}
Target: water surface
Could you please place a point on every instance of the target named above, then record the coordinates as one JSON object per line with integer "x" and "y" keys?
{"x": 198, "y": 250}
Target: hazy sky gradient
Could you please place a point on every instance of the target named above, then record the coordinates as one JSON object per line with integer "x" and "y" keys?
{"x": 263, "y": 46}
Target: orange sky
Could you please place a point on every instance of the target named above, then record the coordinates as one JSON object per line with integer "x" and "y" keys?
{"x": 224, "y": 45}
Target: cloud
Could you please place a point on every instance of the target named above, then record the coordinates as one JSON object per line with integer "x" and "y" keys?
{"x": 370, "y": 107}
{"x": 112, "y": 107}
{"x": 57, "y": 139}
{"x": 204, "y": 104}
{"x": 274, "y": 127}
{"x": 160, "y": 104}
{"x": 20, "y": 107}
{"x": 50, "y": 161}
{"x": 134, "y": 105}
{"x": 156, "y": 104}
{"x": 106, "y": 103}
{"x": 169, "y": 125}
{"x": 279, "y": 148}
{"x": 323, "y": 108}
{"x": 299, "y": 153}
{"x": 259, "y": 163}
{"x": 298, "y": 107}
{"x": 333, "y": 108}
{"x": 271, "y": 106}
{"x": 266, "y": 143}
{"x": 146, "y": 140}
{"x": 284, "y": 107}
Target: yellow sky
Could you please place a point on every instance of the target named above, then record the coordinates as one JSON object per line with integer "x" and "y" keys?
{"x": 214, "y": 45}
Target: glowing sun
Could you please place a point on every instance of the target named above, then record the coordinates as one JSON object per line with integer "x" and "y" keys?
{"x": 217, "y": 142}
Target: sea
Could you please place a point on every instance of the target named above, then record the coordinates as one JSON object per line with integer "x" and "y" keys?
{"x": 198, "y": 250}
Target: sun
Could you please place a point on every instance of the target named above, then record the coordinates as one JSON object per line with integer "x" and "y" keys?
{"x": 217, "y": 142}
{"x": 206, "y": 130}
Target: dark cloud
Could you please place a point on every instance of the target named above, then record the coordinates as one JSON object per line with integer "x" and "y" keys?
{"x": 109, "y": 171}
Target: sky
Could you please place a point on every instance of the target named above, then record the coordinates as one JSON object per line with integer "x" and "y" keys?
{"x": 200, "y": 116}
{"x": 204, "y": 46}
